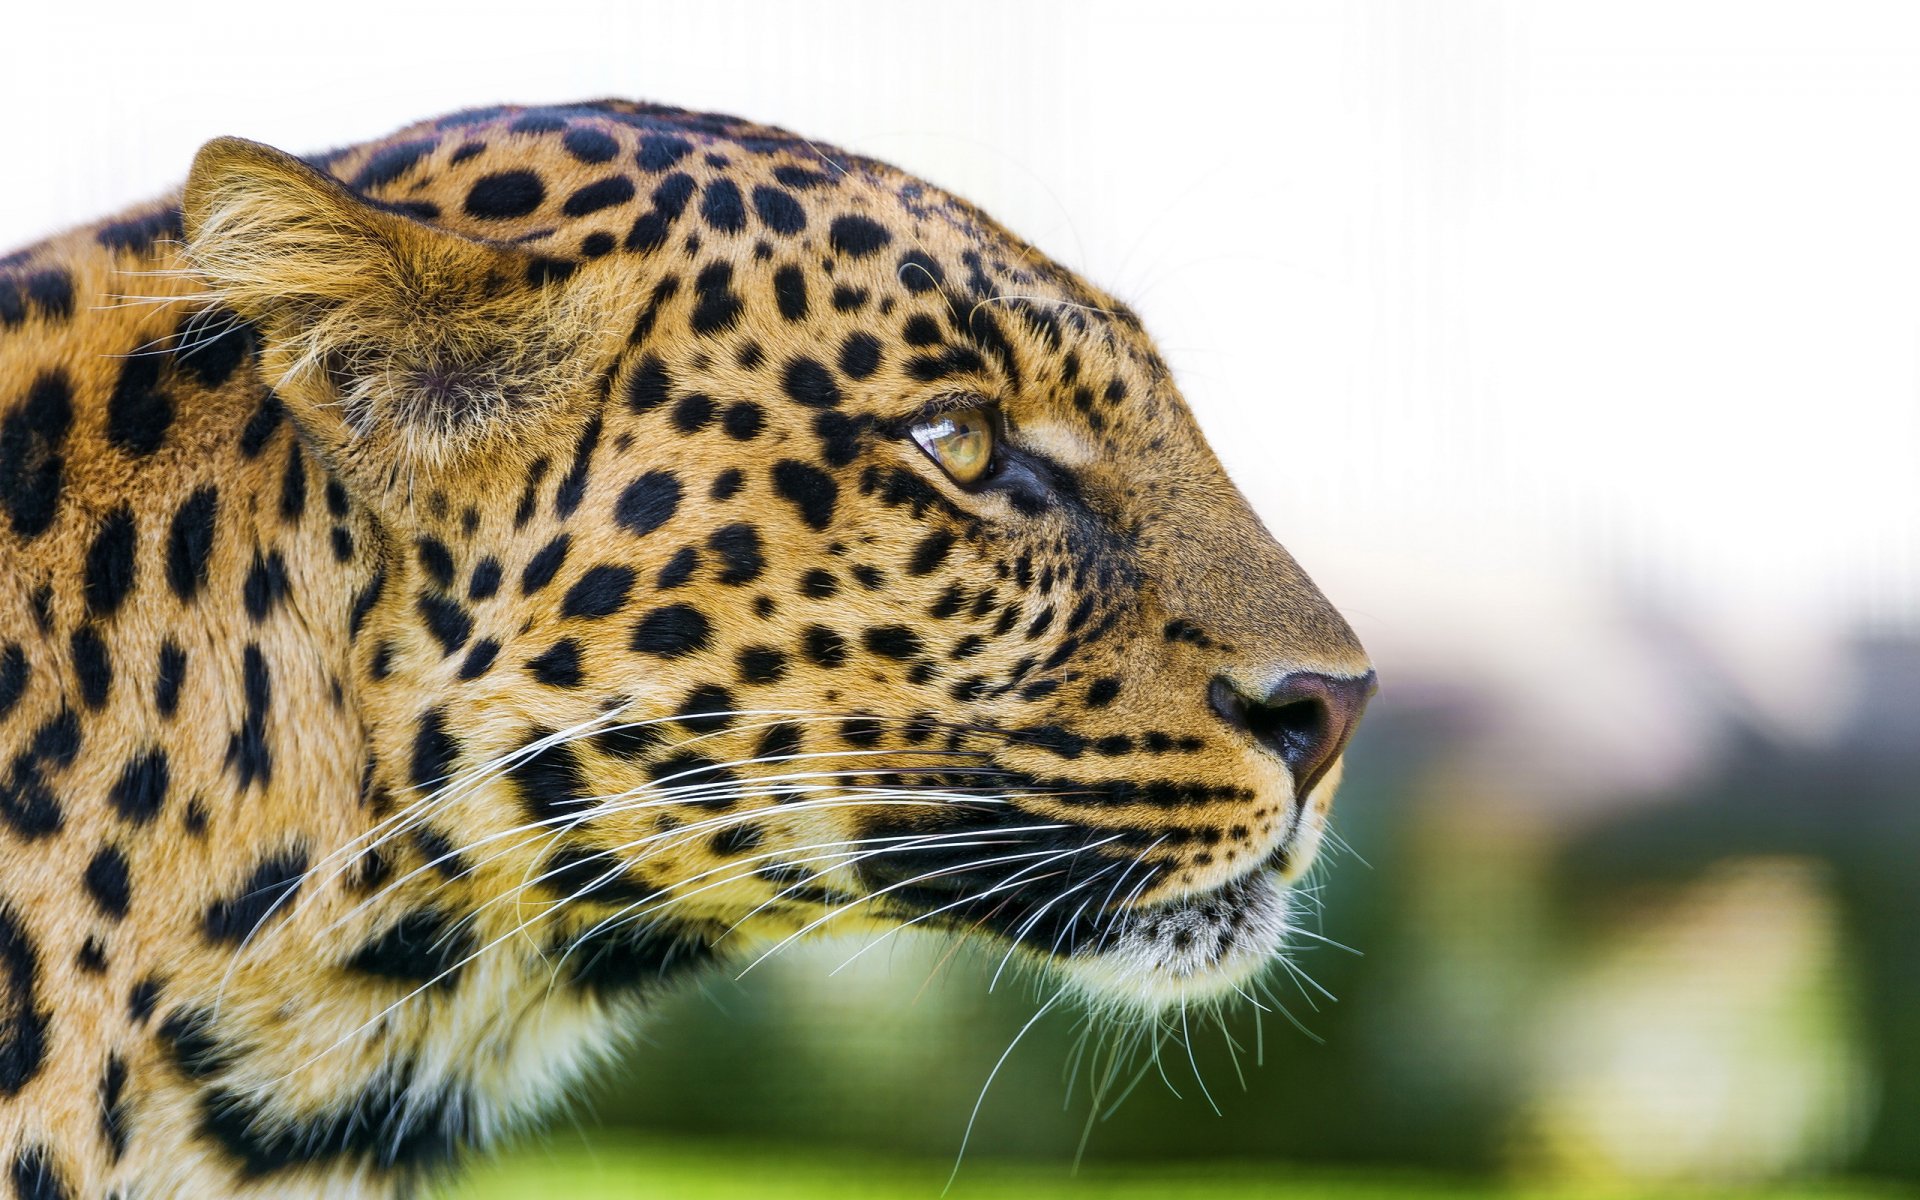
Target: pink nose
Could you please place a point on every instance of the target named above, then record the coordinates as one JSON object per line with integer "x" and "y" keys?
{"x": 1305, "y": 719}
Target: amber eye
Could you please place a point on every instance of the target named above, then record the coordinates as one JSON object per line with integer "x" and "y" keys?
{"x": 960, "y": 441}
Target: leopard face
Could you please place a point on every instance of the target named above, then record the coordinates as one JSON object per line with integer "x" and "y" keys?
{"x": 455, "y": 583}
{"x": 817, "y": 556}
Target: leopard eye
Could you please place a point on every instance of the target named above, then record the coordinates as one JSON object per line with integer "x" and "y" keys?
{"x": 960, "y": 441}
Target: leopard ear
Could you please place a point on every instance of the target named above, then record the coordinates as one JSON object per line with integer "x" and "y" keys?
{"x": 393, "y": 342}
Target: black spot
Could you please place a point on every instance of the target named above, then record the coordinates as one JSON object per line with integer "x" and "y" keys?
{"x": 599, "y": 593}
{"x": 824, "y": 647}
{"x": 391, "y": 162}
{"x": 51, "y": 292}
{"x": 392, "y": 1125}
{"x": 573, "y": 487}
{"x": 735, "y": 840}
{"x": 247, "y": 750}
{"x": 13, "y": 677}
{"x": 558, "y": 665}
{"x": 364, "y": 600}
{"x": 138, "y": 412}
{"x": 449, "y": 623}
{"x": 436, "y": 560}
{"x": 762, "y": 664}
{"x": 169, "y": 673}
{"x": 110, "y": 563}
{"x": 92, "y": 668}
{"x": 930, "y": 553}
{"x": 479, "y": 658}
{"x": 544, "y": 564}
{"x": 31, "y": 464}
{"x": 860, "y": 355}
{"x": 108, "y": 882}
{"x": 743, "y": 420}
{"x": 36, "y": 1178}
{"x": 23, "y": 1023}
{"x": 647, "y": 386}
{"x": 707, "y": 707}
{"x": 848, "y": 299}
{"x": 214, "y": 357}
{"x": 919, "y": 272}
{"x": 597, "y": 243}
{"x": 577, "y": 873}
{"x": 801, "y": 179}
{"x": 810, "y": 383}
{"x": 739, "y": 549}
{"x": 957, "y": 360}
{"x": 693, "y": 413}
{"x": 716, "y": 306}
{"x": 114, "y": 1113}
{"x": 92, "y": 955}
{"x": 672, "y": 631}
{"x": 657, "y": 153}
{"x": 790, "y": 292}
{"x": 619, "y": 959}
{"x": 602, "y": 193}
{"x": 141, "y": 791}
{"x": 190, "y": 542}
{"x": 819, "y": 584}
{"x": 780, "y": 741}
{"x": 425, "y": 947}
{"x": 857, "y": 236}
{"x": 551, "y": 780}
{"x": 727, "y": 484}
{"x": 649, "y": 230}
{"x": 266, "y": 585}
{"x": 262, "y": 424}
{"x": 921, "y": 330}
{"x": 861, "y": 732}
{"x": 434, "y": 751}
{"x": 1101, "y": 692}
{"x": 648, "y": 503}
{"x": 590, "y": 145}
{"x": 137, "y": 233}
{"x": 893, "y": 641}
{"x": 485, "y": 580}
{"x": 721, "y": 207}
{"x": 142, "y": 997}
{"x": 505, "y": 195}
{"x": 266, "y": 893}
{"x": 809, "y": 489}
{"x": 679, "y": 568}
{"x": 781, "y": 212}
{"x": 58, "y": 741}
{"x": 839, "y": 436}
{"x": 188, "y": 1037}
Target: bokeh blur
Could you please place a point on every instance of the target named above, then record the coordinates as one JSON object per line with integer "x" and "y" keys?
{"x": 1574, "y": 348}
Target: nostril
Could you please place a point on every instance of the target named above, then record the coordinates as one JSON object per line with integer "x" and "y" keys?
{"x": 1304, "y": 720}
{"x": 1290, "y": 730}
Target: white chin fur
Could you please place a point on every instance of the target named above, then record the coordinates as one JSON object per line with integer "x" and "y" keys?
{"x": 1188, "y": 951}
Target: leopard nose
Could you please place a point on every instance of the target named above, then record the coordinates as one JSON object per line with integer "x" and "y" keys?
{"x": 1305, "y": 719}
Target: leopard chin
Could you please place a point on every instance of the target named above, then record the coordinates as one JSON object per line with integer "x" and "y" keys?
{"x": 1191, "y": 951}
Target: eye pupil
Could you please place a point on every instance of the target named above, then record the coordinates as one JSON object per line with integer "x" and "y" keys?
{"x": 961, "y": 442}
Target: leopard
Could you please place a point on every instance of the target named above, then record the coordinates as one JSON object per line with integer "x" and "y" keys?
{"x": 458, "y": 587}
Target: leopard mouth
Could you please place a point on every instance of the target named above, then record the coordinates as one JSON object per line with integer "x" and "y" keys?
{"x": 1068, "y": 909}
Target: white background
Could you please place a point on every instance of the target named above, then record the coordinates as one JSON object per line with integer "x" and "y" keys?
{"x": 1514, "y": 320}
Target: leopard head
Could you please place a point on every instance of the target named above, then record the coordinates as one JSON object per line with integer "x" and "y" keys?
{"x": 771, "y": 544}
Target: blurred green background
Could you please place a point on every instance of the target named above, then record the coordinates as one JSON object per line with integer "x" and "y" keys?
{"x": 1563, "y": 988}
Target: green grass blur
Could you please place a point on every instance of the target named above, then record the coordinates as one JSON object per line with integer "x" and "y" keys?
{"x": 729, "y": 1172}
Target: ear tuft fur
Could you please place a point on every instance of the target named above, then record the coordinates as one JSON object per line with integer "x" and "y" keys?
{"x": 382, "y": 328}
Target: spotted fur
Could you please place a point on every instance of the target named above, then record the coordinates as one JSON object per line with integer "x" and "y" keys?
{"x": 453, "y": 586}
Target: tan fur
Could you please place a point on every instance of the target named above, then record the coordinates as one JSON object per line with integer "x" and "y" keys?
{"x": 468, "y": 374}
